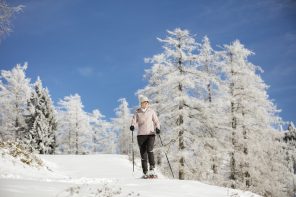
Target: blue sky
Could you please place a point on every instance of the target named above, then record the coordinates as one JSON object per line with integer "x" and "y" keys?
{"x": 97, "y": 48}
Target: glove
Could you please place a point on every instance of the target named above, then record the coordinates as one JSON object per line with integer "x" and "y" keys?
{"x": 132, "y": 128}
{"x": 157, "y": 131}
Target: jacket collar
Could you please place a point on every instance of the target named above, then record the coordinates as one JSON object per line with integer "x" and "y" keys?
{"x": 141, "y": 110}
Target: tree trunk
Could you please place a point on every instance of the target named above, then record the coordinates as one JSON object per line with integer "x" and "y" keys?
{"x": 182, "y": 159}
{"x": 246, "y": 174}
{"x": 209, "y": 84}
{"x": 209, "y": 92}
{"x": 69, "y": 150}
{"x": 233, "y": 170}
{"x": 181, "y": 140}
{"x": 76, "y": 136}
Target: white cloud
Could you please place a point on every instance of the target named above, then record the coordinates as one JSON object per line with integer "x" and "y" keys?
{"x": 290, "y": 36}
{"x": 85, "y": 71}
{"x": 283, "y": 71}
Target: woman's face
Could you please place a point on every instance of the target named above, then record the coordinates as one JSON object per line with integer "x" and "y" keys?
{"x": 144, "y": 104}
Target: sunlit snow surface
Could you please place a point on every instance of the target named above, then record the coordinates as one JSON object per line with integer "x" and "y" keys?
{"x": 95, "y": 175}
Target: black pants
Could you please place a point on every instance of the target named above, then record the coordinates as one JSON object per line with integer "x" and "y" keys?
{"x": 146, "y": 144}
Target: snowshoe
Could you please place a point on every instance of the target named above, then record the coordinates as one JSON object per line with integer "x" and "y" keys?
{"x": 152, "y": 174}
{"x": 145, "y": 176}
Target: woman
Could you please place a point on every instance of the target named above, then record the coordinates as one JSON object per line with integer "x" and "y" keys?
{"x": 148, "y": 125}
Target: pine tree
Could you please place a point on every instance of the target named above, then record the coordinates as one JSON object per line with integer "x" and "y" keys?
{"x": 209, "y": 150}
{"x": 30, "y": 135}
{"x": 252, "y": 116}
{"x": 208, "y": 61}
{"x": 103, "y": 137}
{"x": 51, "y": 116}
{"x": 174, "y": 81}
{"x": 41, "y": 121}
{"x": 74, "y": 132}
{"x": 289, "y": 147}
{"x": 216, "y": 106}
{"x": 14, "y": 93}
{"x": 121, "y": 124}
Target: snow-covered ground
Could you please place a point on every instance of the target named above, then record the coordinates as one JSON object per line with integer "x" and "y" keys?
{"x": 95, "y": 175}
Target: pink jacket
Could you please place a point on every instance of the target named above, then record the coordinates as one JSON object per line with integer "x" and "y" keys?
{"x": 146, "y": 121}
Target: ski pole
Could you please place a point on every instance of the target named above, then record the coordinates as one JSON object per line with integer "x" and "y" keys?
{"x": 166, "y": 156}
{"x": 133, "y": 151}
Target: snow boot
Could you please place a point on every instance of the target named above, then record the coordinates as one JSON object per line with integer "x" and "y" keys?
{"x": 145, "y": 176}
{"x": 152, "y": 174}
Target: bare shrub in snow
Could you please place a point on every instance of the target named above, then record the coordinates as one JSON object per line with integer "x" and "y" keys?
{"x": 19, "y": 151}
{"x": 103, "y": 190}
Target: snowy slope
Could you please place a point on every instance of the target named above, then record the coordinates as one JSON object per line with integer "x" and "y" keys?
{"x": 95, "y": 175}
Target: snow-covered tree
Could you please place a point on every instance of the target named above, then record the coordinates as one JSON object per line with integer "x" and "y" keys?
{"x": 104, "y": 139}
{"x": 173, "y": 84}
{"x": 41, "y": 120}
{"x": 216, "y": 107}
{"x": 74, "y": 131}
{"x": 121, "y": 125}
{"x": 251, "y": 118}
{"x": 209, "y": 150}
{"x": 15, "y": 90}
{"x": 205, "y": 107}
{"x": 289, "y": 147}
{"x": 6, "y": 14}
{"x": 209, "y": 63}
